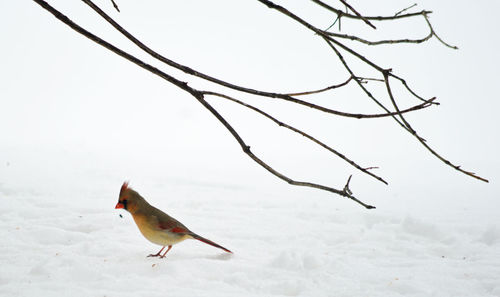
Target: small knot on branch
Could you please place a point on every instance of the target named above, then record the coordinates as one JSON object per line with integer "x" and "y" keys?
{"x": 348, "y": 193}
{"x": 386, "y": 72}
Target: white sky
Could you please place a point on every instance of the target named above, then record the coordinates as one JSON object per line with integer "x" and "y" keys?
{"x": 62, "y": 94}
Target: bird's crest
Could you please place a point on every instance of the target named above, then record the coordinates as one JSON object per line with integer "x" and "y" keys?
{"x": 124, "y": 188}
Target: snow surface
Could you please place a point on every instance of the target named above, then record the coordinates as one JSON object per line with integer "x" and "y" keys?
{"x": 61, "y": 236}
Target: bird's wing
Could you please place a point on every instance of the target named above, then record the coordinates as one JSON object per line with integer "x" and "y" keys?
{"x": 169, "y": 224}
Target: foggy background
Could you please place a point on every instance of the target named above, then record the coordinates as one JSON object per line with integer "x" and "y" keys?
{"x": 74, "y": 115}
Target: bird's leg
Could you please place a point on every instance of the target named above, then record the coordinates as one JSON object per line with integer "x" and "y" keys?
{"x": 158, "y": 254}
{"x": 169, "y": 247}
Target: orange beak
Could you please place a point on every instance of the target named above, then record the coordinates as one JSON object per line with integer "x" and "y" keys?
{"x": 119, "y": 205}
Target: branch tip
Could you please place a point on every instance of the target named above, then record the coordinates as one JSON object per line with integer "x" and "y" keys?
{"x": 115, "y": 5}
{"x": 347, "y": 190}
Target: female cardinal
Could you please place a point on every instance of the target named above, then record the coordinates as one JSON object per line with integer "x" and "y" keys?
{"x": 157, "y": 226}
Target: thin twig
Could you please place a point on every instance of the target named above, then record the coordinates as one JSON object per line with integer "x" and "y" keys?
{"x": 333, "y": 24}
{"x": 115, "y": 5}
{"x": 405, "y": 84}
{"x": 358, "y": 14}
{"x": 320, "y": 90}
{"x": 405, "y": 9}
{"x": 434, "y": 33}
{"x": 360, "y": 79}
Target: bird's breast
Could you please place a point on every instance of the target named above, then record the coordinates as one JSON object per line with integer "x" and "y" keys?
{"x": 153, "y": 233}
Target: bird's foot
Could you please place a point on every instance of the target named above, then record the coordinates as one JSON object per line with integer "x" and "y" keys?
{"x": 155, "y": 255}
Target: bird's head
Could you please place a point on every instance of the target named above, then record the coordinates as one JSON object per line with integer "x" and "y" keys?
{"x": 128, "y": 199}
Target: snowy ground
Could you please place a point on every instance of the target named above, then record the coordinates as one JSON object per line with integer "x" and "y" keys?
{"x": 62, "y": 236}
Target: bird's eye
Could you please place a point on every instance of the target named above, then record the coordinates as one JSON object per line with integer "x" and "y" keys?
{"x": 124, "y": 202}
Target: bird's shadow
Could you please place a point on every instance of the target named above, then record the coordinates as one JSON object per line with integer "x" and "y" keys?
{"x": 218, "y": 257}
{"x": 183, "y": 257}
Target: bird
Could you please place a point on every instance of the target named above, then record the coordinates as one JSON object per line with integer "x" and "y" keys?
{"x": 155, "y": 225}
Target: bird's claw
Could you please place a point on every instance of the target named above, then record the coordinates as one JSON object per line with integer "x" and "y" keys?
{"x": 156, "y": 255}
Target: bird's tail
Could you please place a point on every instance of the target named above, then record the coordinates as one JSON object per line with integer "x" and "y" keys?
{"x": 202, "y": 239}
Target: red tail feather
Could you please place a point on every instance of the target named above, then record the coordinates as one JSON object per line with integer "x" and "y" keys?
{"x": 202, "y": 239}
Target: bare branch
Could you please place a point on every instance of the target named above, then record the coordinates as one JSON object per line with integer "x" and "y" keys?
{"x": 368, "y": 93}
{"x": 395, "y": 41}
{"x": 421, "y": 140}
{"x": 193, "y": 72}
{"x": 199, "y": 97}
{"x": 340, "y": 13}
{"x": 378, "y": 42}
{"x": 282, "y": 124}
{"x": 405, "y": 84}
{"x": 402, "y": 122}
{"x": 434, "y": 33}
{"x": 332, "y": 40}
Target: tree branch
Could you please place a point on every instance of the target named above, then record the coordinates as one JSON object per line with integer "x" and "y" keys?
{"x": 332, "y": 40}
{"x": 402, "y": 122}
{"x": 421, "y": 140}
{"x": 379, "y": 42}
{"x": 191, "y": 71}
{"x": 200, "y": 98}
{"x": 340, "y": 13}
{"x": 311, "y": 138}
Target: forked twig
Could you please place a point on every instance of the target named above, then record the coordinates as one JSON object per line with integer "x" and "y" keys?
{"x": 358, "y": 14}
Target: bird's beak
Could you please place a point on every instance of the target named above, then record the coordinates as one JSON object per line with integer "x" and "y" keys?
{"x": 119, "y": 205}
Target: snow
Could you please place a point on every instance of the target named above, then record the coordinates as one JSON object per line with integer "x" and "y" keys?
{"x": 69, "y": 239}
{"x": 76, "y": 122}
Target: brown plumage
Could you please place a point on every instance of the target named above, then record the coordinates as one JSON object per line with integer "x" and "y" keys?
{"x": 157, "y": 226}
